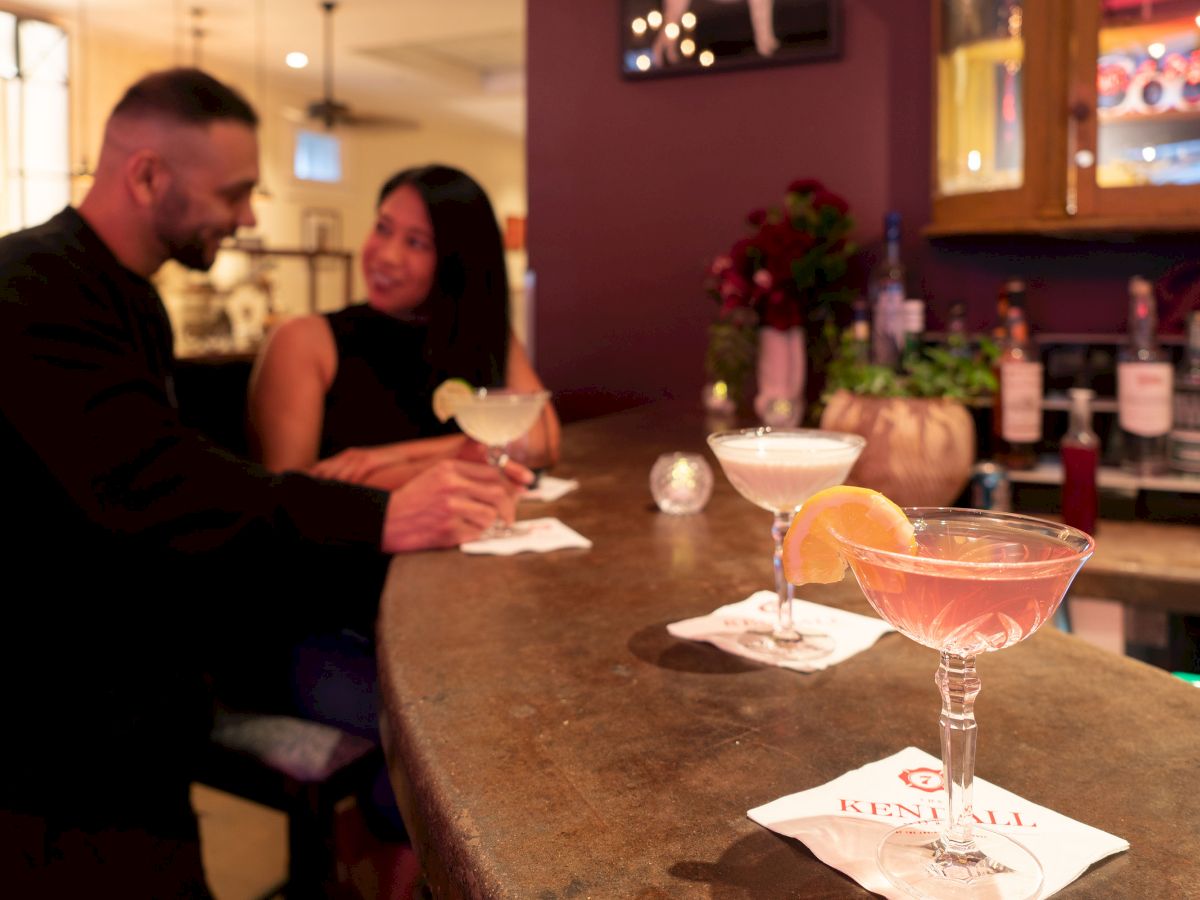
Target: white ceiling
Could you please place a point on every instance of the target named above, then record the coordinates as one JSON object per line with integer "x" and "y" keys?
{"x": 417, "y": 59}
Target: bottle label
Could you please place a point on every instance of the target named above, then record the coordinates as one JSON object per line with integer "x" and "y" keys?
{"x": 1144, "y": 398}
{"x": 1021, "y": 402}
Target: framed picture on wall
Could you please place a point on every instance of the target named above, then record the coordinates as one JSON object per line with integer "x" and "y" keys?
{"x": 681, "y": 37}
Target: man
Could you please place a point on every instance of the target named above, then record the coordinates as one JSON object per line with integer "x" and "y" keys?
{"x": 133, "y": 544}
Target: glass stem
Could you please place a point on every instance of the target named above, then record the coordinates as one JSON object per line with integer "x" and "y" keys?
{"x": 959, "y": 685}
{"x": 784, "y": 629}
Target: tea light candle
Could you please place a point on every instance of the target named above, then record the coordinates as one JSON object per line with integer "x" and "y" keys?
{"x": 681, "y": 483}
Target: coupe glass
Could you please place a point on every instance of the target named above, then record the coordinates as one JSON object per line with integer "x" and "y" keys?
{"x": 778, "y": 469}
{"x": 495, "y": 417}
{"x": 980, "y": 581}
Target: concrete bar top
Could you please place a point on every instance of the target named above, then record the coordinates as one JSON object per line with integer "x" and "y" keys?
{"x": 549, "y": 739}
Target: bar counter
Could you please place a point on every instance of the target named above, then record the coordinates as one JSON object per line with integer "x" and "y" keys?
{"x": 549, "y": 739}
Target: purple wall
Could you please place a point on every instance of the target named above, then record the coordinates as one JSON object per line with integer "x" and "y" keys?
{"x": 635, "y": 186}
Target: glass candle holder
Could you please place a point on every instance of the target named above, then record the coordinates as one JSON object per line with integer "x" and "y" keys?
{"x": 681, "y": 483}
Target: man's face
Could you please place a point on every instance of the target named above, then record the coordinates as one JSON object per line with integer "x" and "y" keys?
{"x": 213, "y": 171}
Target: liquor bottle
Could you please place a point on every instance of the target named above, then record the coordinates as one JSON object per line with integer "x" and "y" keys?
{"x": 1000, "y": 331}
{"x": 887, "y": 297}
{"x": 1185, "y": 430}
{"x": 1080, "y": 460}
{"x": 956, "y": 330}
{"x": 860, "y": 331}
{"x": 914, "y": 327}
{"x": 1144, "y": 382}
{"x": 1018, "y": 409}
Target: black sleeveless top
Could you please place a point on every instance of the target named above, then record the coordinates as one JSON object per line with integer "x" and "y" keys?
{"x": 383, "y": 389}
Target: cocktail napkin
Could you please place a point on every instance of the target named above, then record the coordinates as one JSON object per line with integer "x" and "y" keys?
{"x": 531, "y": 535}
{"x": 550, "y": 488}
{"x": 843, "y": 821}
{"x": 724, "y": 627}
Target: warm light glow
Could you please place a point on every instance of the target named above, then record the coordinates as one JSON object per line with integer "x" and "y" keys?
{"x": 296, "y": 60}
{"x": 707, "y": 58}
{"x": 1157, "y": 49}
{"x": 639, "y": 25}
{"x": 643, "y": 62}
{"x": 974, "y": 160}
{"x": 1198, "y": 21}
{"x": 687, "y": 46}
{"x": 1149, "y": 153}
{"x": 654, "y": 18}
{"x": 688, "y": 20}
{"x": 671, "y": 31}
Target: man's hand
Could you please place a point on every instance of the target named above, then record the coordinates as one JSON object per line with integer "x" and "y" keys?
{"x": 451, "y": 502}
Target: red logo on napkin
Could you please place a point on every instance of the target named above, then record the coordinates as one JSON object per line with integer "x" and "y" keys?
{"x": 923, "y": 779}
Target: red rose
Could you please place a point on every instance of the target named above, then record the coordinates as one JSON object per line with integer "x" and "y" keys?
{"x": 756, "y": 216}
{"x": 805, "y": 185}
{"x": 827, "y": 198}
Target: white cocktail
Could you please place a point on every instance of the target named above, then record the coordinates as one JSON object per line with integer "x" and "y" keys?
{"x": 495, "y": 417}
{"x": 777, "y": 470}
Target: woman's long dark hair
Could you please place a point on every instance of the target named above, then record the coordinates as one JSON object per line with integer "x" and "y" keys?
{"x": 468, "y": 304}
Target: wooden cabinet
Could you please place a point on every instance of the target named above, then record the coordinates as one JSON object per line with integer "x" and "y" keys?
{"x": 1065, "y": 116}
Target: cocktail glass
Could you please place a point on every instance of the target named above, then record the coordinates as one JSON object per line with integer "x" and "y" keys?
{"x": 495, "y": 417}
{"x": 979, "y": 581}
{"x": 778, "y": 469}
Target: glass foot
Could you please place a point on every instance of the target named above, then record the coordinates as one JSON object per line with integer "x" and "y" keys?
{"x": 804, "y": 646}
{"x": 915, "y": 859}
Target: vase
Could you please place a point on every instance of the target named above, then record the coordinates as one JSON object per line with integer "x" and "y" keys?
{"x": 781, "y": 369}
{"x": 919, "y": 449}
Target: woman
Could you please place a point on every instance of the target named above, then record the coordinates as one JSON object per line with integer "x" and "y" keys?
{"x": 347, "y": 395}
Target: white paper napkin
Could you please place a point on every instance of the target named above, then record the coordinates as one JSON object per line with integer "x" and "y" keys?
{"x": 724, "y": 627}
{"x": 531, "y": 535}
{"x": 843, "y": 821}
{"x": 550, "y": 488}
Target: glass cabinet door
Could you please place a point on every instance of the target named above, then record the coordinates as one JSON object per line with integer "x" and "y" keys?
{"x": 1148, "y": 94}
{"x": 980, "y": 103}
{"x": 1139, "y": 159}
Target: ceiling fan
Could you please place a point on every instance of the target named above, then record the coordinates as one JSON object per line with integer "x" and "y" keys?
{"x": 331, "y": 113}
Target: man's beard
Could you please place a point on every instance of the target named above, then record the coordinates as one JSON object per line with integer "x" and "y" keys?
{"x": 186, "y": 248}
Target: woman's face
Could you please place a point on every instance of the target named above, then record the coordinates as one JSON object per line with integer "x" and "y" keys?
{"x": 399, "y": 257}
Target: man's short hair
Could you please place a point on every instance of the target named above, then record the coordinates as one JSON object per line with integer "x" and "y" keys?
{"x": 185, "y": 95}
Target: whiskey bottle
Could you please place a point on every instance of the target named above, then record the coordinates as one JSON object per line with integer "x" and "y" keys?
{"x": 1185, "y": 430}
{"x": 1018, "y": 409}
{"x": 1144, "y": 384}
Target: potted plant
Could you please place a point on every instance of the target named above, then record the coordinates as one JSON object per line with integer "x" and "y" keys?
{"x": 920, "y": 434}
{"x": 787, "y": 274}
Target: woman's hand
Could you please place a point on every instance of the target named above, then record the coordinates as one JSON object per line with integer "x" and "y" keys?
{"x": 354, "y": 464}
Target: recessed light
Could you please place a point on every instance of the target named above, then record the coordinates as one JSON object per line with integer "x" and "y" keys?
{"x": 296, "y": 59}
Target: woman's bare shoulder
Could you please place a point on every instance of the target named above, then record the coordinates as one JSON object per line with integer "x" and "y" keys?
{"x": 303, "y": 341}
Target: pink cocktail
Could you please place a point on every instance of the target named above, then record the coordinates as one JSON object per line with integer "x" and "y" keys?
{"x": 978, "y": 581}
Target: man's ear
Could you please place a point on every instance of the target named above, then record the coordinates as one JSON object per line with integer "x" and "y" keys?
{"x": 146, "y": 177}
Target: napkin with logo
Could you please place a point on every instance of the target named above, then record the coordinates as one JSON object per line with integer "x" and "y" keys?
{"x": 843, "y": 821}
{"x": 550, "y": 488}
{"x": 724, "y": 627}
{"x": 533, "y": 536}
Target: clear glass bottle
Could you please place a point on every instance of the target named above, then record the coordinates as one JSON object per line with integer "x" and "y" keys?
{"x": 957, "y": 341}
{"x": 1185, "y": 429}
{"x": 1018, "y": 408}
{"x": 914, "y": 327}
{"x": 887, "y": 297}
{"x": 1144, "y": 386}
{"x": 1080, "y": 451}
{"x": 860, "y": 331}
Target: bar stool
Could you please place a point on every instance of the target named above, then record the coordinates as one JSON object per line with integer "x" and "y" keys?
{"x": 300, "y": 767}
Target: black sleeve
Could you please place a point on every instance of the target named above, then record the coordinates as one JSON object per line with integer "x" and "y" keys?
{"x": 85, "y": 387}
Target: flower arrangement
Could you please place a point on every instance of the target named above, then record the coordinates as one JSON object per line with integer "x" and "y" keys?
{"x": 787, "y": 273}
